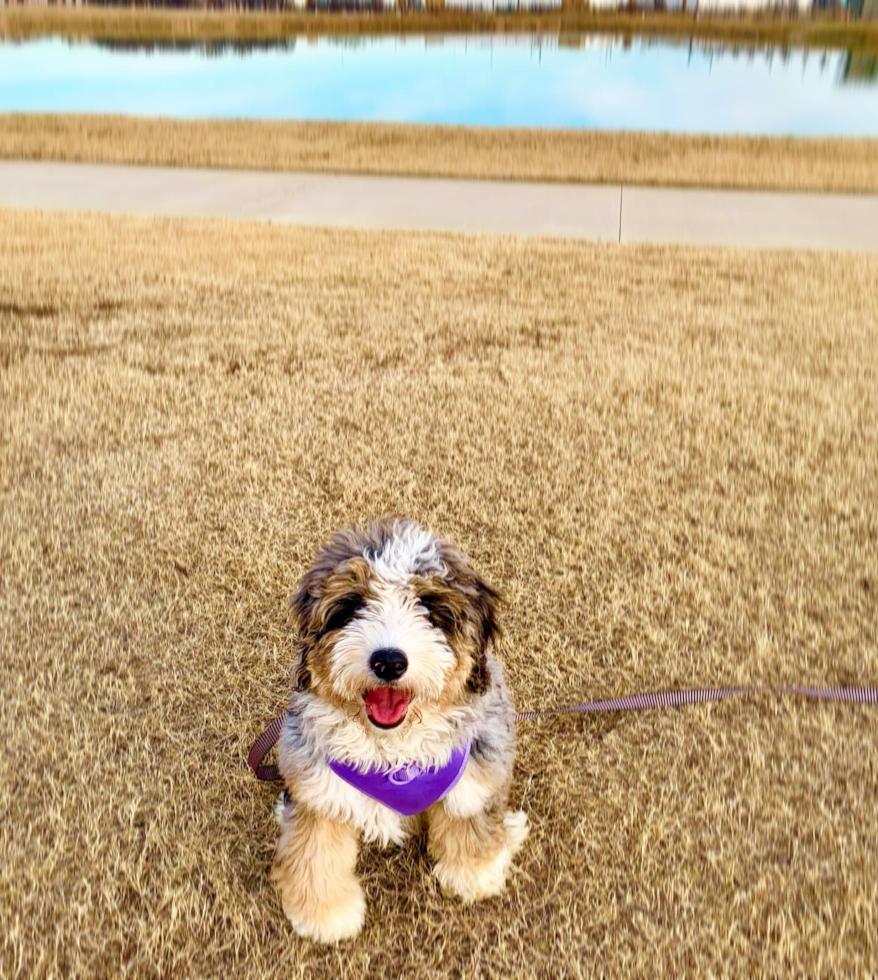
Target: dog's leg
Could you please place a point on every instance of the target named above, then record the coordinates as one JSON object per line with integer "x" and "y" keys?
{"x": 473, "y": 853}
{"x": 314, "y": 873}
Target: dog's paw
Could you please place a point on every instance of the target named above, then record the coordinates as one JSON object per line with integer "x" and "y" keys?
{"x": 330, "y": 922}
{"x": 473, "y": 881}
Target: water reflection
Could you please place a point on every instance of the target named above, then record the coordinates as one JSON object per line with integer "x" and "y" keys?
{"x": 208, "y": 49}
{"x": 860, "y": 68}
{"x": 567, "y": 81}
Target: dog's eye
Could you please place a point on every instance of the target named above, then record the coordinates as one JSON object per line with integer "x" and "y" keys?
{"x": 342, "y": 612}
{"x": 428, "y": 612}
{"x": 439, "y": 614}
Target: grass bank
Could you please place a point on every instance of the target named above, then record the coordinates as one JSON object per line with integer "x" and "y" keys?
{"x": 446, "y": 151}
{"x": 666, "y": 458}
{"x": 131, "y": 24}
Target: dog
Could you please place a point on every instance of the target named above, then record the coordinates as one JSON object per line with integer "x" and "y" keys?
{"x": 400, "y": 719}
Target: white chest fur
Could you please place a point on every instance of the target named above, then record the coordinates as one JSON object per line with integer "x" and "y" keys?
{"x": 324, "y": 791}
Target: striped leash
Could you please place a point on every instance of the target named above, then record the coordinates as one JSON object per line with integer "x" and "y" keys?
{"x": 631, "y": 702}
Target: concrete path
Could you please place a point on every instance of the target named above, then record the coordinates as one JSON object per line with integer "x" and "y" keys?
{"x": 596, "y": 212}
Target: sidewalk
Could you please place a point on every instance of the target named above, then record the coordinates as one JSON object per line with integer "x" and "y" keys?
{"x": 595, "y": 212}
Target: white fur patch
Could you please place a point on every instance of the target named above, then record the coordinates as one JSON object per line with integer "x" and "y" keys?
{"x": 316, "y": 730}
{"x": 323, "y": 730}
{"x": 324, "y": 791}
{"x": 410, "y": 550}
{"x": 470, "y": 795}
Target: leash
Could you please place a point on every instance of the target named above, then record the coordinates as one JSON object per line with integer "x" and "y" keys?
{"x": 262, "y": 746}
{"x": 632, "y": 702}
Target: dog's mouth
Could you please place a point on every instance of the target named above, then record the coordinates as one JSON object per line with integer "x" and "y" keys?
{"x": 386, "y": 707}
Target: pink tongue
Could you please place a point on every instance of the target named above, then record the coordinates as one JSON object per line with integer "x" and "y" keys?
{"x": 387, "y": 705}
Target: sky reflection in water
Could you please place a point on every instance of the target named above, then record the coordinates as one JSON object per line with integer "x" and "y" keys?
{"x": 488, "y": 81}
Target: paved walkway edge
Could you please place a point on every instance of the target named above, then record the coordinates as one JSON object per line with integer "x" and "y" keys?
{"x": 593, "y": 212}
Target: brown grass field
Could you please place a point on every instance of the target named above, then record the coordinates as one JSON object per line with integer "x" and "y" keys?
{"x": 835, "y": 165}
{"x": 139, "y": 24}
{"x": 666, "y": 457}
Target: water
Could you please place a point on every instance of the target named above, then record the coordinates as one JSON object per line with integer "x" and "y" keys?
{"x": 576, "y": 83}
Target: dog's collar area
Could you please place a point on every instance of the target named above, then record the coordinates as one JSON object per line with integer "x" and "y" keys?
{"x": 410, "y": 789}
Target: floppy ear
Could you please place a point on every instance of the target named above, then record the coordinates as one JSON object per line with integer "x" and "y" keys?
{"x": 301, "y": 673}
{"x": 307, "y": 609}
{"x": 482, "y": 601}
{"x": 303, "y": 603}
{"x": 485, "y": 601}
{"x": 339, "y": 552}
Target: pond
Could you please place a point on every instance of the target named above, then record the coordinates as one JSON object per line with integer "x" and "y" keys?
{"x": 568, "y": 82}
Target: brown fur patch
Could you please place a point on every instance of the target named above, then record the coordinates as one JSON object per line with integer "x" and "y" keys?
{"x": 447, "y": 606}
{"x": 482, "y": 603}
{"x": 339, "y": 564}
{"x": 327, "y": 598}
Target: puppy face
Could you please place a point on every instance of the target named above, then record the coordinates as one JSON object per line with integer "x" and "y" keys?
{"x": 393, "y": 621}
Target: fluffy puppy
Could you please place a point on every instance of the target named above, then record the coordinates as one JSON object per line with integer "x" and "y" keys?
{"x": 394, "y": 675}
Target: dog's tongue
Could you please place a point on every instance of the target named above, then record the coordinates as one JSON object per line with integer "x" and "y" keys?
{"x": 387, "y": 705}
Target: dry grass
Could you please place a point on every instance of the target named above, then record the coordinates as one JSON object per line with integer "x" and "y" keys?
{"x": 447, "y": 151}
{"x": 133, "y": 24}
{"x": 666, "y": 457}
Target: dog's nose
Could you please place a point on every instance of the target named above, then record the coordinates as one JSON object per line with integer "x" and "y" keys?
{"x": 388, "y": 664}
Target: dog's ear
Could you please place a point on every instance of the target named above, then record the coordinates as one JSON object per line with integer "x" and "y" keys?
{"x": 308, "y": 608}
{"x": 303, "y": 603}
{"x": 301, "y": 673}
{"x": 302, "y": 606}
{"x": 482, "y": 606}
{"x": 342, "y": 553}
{"x": 485, "y": 601}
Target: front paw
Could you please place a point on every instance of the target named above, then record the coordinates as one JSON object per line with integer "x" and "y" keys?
{"x": 328, "y": 921}
{"x": 474, "y": 880}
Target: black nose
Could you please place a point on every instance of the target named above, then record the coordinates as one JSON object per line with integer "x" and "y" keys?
{"x": 388, "y": 664}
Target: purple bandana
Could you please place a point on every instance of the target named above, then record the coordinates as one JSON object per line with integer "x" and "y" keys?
{"x": 408, "y": 790}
